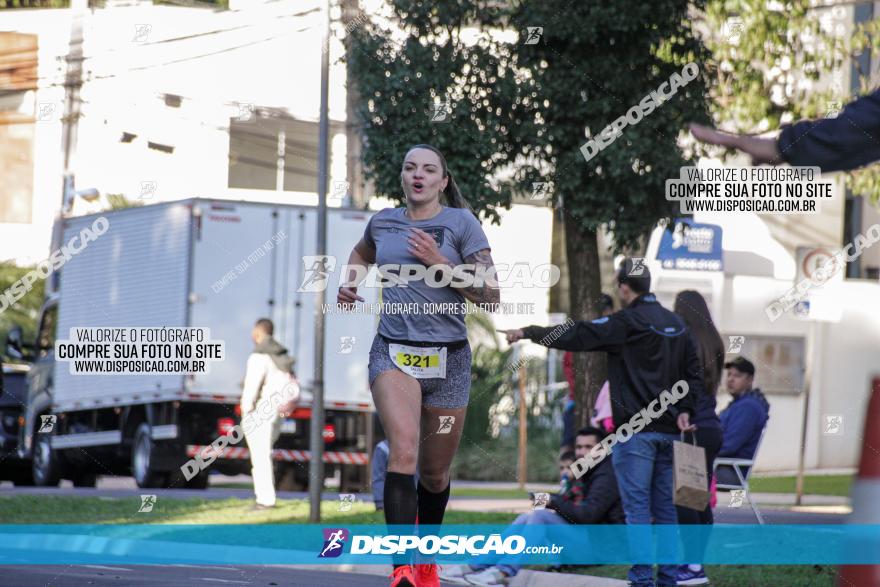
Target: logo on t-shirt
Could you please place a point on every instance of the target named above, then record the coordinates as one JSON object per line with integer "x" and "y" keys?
{"x": 437, "y": 232}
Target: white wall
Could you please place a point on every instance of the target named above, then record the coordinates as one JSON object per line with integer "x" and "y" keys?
{"x": 29, "y": 242}
{"x": 523, "y": 237}
{"x": 268, "y": 54}
{"x": 843, "y": 349}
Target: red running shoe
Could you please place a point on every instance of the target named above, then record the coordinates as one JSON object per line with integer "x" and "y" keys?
{"x": 426, "y": 576}
{"x": 403, "y": 577}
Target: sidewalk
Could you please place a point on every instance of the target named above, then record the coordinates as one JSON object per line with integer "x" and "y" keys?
{"x": 765, "y": 500}
{"x": 526, "y": 578}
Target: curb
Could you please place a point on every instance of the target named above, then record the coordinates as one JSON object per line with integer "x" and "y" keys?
{"x": 526, "y": 578}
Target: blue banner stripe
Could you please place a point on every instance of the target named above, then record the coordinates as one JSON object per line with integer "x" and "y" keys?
{"x": 563, "y": 544}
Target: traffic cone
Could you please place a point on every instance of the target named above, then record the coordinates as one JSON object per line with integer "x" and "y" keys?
{"x": 866, "y": 494}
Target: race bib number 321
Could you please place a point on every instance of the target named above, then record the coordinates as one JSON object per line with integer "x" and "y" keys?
{"x": 420, "y": 362}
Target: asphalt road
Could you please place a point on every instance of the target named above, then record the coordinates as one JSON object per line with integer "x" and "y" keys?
{"x": 181, "y": 576}
{"x": 203, "y": 575}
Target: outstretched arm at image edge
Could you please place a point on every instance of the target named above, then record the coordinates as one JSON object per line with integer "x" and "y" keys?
{"x": 847, "y": 142}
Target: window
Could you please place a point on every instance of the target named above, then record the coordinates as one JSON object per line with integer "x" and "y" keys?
{"x": 160, "y": 147}
{"x": 257, "y": 146}
{"x": 46, "y": 336}
{"x": 172, "y": 101}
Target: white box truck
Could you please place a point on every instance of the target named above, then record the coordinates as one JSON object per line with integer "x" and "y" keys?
{"x": 213, "y": 264}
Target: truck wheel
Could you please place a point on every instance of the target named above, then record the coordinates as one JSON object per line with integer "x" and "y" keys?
{"x": 200, "y": 481}
{"x": 291, "y": 476}
{"x": 85, "y": 480}
{"x": 142, "y": 466}
{"x": 45, "y": 467}
{"x": 177, "y": 480}
{"x": 24, "y": 478}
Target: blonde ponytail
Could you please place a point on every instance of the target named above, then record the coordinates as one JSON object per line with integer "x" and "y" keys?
{"x": 454, "y": 199}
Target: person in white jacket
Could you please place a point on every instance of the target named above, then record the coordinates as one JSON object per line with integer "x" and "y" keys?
{"x": 269, "y": 386}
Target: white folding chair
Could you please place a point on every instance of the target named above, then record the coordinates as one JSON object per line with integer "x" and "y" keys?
{"x": 736, "y": 465}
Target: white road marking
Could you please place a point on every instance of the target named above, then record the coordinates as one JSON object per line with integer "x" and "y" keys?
{"x": 230, "y": 568}
{"x": 103, "y": 568}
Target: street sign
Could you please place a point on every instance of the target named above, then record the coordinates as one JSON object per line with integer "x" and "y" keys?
{"x": 691, "y": 246}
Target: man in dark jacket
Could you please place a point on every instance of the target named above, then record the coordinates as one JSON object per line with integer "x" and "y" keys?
{"x": 743, "y": 419}
{"x": 846, "y": 142}
{"x": 591, "y": 499}
{"x": 649, "y": 351}
{"x": 594, "y": 497}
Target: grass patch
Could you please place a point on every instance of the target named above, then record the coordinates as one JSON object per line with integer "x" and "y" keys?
{"x": 813, "y": 484}
{"x": 497, "y": 493}
{"x": 740, "y": 575}
{"x": 38, "y": 509}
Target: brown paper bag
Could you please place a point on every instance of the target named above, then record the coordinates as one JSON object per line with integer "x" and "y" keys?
{"x": 690, "y": 481}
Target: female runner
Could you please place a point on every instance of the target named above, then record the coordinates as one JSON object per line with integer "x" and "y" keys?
{"x": 420, "y": 361}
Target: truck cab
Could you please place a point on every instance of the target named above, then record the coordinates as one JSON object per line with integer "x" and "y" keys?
{"x": 36, "y": 420}
{"x": 13, "y": 395}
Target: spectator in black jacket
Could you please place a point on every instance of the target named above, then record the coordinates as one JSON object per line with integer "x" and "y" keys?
{"x": 650, "y": 351}
{"x": 849, "y": 141}
{"x": 591, "y": 499}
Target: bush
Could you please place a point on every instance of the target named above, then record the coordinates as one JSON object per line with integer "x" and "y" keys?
{"x": 490, "y": 441}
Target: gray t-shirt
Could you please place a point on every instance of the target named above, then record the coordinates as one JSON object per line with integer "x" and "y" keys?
{"x": 458, "y": 234}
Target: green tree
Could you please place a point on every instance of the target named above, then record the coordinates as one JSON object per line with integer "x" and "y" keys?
{"x": 518, "y": 112}
{"x": 433, "y": 87}
{"x": 776, "y": 62}
{"x": 489, "y": 375}
{"x": 25, "y": 311}
{"x": 595, "y": 61}
{"x": 120, "y": 202}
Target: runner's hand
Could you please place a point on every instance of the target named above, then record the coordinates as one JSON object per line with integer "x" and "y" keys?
{"x": 348, "y": 296}
{"x": 514, "y": 334}
{"x": 423, "y": 247}
{"x": 684, "y": 422}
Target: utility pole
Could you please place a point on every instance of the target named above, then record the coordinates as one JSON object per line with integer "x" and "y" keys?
{"x": 70, "y": 123}
{"x": 72, "y": 85}
{"x": 316, "y": 436}
{"x": 351, "y": 16}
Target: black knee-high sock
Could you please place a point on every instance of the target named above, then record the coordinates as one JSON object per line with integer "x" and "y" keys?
{"x": 432, "y": 505}
{"x": 401, "y": 505}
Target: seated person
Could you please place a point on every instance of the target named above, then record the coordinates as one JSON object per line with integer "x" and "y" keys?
{"x": 592, "y": 499}
{"x": 378, "y": 464}
{"x": 566, "y": 477}
{"x": 742, "y": 420}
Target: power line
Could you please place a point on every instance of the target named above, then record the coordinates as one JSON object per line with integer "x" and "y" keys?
{"x": 35, "y": 61}
{"x": 155, "y": 65}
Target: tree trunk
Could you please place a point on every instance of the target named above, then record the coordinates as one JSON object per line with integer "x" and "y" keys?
{"x": 356, "y": 197}
{"x": 585, "y": 289}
